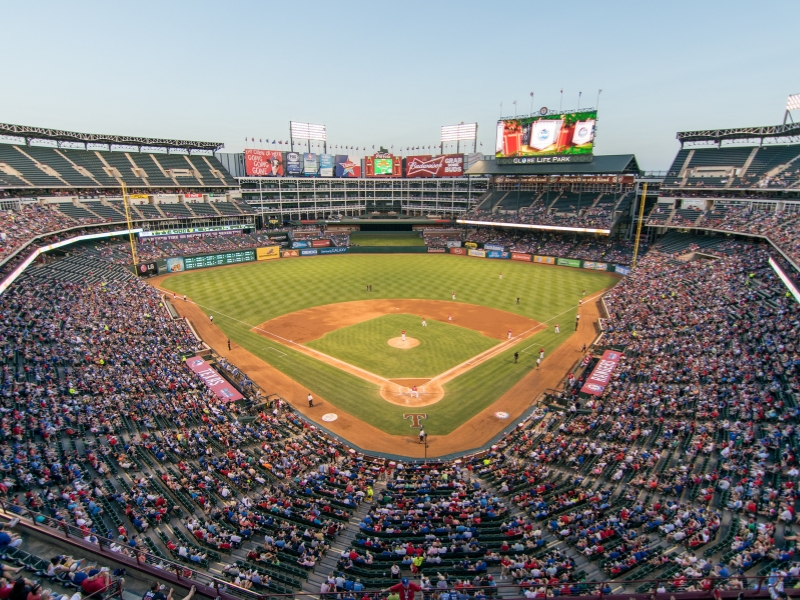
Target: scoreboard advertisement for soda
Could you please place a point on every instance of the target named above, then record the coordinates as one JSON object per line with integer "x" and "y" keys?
{"x": 548, "y": 137}
{"x": 383, "y": 164}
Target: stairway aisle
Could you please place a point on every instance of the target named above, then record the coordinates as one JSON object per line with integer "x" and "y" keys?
{"x": 342, "y": 541}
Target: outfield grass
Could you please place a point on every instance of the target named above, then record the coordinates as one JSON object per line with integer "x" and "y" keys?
{"x": 386, "y": 239}
{"x": 244, "y": 296}
{"x": 441, "y": 346}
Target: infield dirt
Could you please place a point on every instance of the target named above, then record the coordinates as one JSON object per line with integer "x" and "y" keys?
{"x": 474, "y": 433}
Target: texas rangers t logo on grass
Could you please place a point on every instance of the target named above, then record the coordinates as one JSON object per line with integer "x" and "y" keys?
{"x": 415, "y": 418}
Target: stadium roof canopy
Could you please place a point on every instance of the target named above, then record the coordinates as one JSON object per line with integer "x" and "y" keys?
{"x": 787, "y": 133}
{"x": 610, "y": 164}
{"x": 44, "y": 133}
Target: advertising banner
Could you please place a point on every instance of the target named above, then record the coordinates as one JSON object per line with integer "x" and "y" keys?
{"x": 281, "y": 236}
{"x": 497, "y": 254}
{"x": 216, "y": 229}
{"x": 299, "y": 244}
{"x": 175, "y": 265}
{"x": 454, "y": 243}
{"x": 320, "y": 243}
{"x": 221, "y": 387}
{"x": 147, "y": 269}
{"x": 289, "y": 253}
{"x": 336, "y": 250}
{"x": 559, "y": 135}
{"x": 294, "y": 163}
{"x": 546, "y": 260}
{"x": 493, "y": 247}
{"x": 310, "y": 164}
{"x": 478, "y": 253}
{"x": 601, "y": 374}
{"x": 426, "y": 165}
{"x": 470, "y": 245}
{"x": 622, "y": 269}
{"x": 347, "y": 166}
{"x": 326, "y": 165}
{"x": 568, "y": 262}
{"x": 268, "y": 252}
{"x": 461, "y": 251}
{"x": 188, "y": 195}
{"x": 313, "y": 252}
{"x": 263, "y": 163}
{"x": 383, "y": 164}
{"x": 436, "y": 250}
{"x": 138, "y": 196}
{"x": 597, "y": 266}
{"x": 521, "y": 256}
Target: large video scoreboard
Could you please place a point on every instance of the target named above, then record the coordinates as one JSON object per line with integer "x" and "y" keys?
{"x": 549, "y": 137}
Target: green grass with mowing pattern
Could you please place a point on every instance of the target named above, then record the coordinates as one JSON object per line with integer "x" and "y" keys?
{"x": 243, "y": 296}
{"x": 386, "y": 239}
{"x": 441, "y": 346}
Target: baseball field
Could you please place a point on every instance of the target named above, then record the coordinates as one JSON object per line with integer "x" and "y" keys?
{"x": 332, "y": 326}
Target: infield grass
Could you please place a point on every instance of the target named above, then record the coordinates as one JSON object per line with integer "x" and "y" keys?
{"x": 386, "y": 239}
{"x": 441, "y": 346}
{"x": 243, "y": 296}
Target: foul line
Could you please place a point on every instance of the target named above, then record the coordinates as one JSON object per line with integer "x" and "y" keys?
{"x": 485, "y": 355}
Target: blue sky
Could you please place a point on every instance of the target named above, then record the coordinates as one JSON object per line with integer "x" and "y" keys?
{"x": 386, "y": 73}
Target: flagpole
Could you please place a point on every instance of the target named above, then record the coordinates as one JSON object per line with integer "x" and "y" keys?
{"x": 597, "y": 104}
{"x": 561, "y": 101}
{"x": 579, "y": 100}
{"x": 531, "y": 102}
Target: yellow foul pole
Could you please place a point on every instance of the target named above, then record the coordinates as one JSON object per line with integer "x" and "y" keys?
{"x": 131, "y": 236}
{"x": 639, "y": 225}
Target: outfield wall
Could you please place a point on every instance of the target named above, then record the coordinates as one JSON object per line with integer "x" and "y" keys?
{"x": 178, "y": 264}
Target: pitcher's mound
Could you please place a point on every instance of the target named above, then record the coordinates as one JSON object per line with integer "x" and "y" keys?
{"x": 399, "y": 343}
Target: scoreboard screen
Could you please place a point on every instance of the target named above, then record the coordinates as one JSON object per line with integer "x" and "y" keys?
{"x": 548, "y": 138}
{"x": 383, "y": 166}
{"x": 216, "y": 260}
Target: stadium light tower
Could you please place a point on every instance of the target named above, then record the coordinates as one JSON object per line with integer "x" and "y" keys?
{"x": 792, "y": 103}
{"x": 456, "y": 133}
{"x": 308, "y": 132}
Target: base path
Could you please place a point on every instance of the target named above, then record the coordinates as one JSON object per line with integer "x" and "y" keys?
{"x": 472, "y": 434}
{"x": 312, "y": 323}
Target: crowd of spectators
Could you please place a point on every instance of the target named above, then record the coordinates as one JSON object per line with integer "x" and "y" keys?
{"x": 18, "y": 227}
{"x": 563, "y": 245}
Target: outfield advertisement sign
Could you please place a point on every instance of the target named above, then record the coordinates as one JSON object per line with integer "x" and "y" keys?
{"x": 309, "y": 252}
{"x": 521, "y": 256}
{"x": 493, "y": 247}
{"x": 190, "y": 231}
{"x": 545, "y": 260}
{"x": 294, "y": 163}
{"x": 478, "y": 253}
{"x": 334, "y": 250}
{"x": 497, "y": 254}
{"x": 221, "y": 387}
{"x": 320, "y": 243}
{"x": 470, "y": 245}
{"x": 263, "y": 163}
{"x": 268, "y": 253}
{"x": 175, "y": 265}
{"x": 426, "y": 165}
{"x": 568, "y": 262}
{"x": 622, "y": 269}
{"x": 436, "y": 250}
{"x": 597, "y": 266}
{"x": 461, "y": 251}
{"x": 300, "y": 244}
{"x": 454, "y": 243}
{"x": 601, "y": 374}
{"x": 147, "y": 269}
{"x": 310, "y": 164}
{"x": 290, "y": 253}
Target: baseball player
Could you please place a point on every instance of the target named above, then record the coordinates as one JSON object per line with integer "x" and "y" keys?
{"x": 424, "y": 322}
{"x": 211, "y": 318}
{"x": 584, "y": 293}
{"x": 509, "y": 334}
{"x": 538, "y": 362}
{"x": 450, "y": 318}
{"x": 501, "y": 275}
{"x": 310, "y": 400}
{"x": 403, "y": 336}
{"x": 453, "y": 295}
{"x": 577, "y": 320}
{"x": 558, "y": 329}
{"x": 541, "y": 353}
{"x": 414, "y": 392}
{"x": 184, "y": 297}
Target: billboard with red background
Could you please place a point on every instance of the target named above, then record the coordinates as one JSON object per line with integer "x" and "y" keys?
{"x": 383, "y": 164}
{"x": 444, "y": 165}
{"x": 263, "y": 163}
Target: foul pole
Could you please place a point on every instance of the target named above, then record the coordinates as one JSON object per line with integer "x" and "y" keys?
{"x": 131, "y": 237}
{"x": 639, "y": 225}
